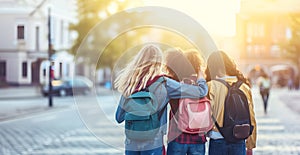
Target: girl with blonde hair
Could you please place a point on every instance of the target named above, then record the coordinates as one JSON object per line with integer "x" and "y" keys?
{"x": 140, "y": 73}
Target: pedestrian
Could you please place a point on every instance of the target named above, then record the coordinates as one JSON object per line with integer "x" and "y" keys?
{"x": 291, "y": 83}
{"x": 264, "y": 84}
{"x": 139, "y": 74}
{"x": 220, "y": 66}
{"x": 182, "y": 65}
{"x": 297, "y": 79}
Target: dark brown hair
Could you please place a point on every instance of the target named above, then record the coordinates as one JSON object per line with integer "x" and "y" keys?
{"x": 219, "y": 64}
{"x": 195, "y": 59}
{"x": 177, "y": 65}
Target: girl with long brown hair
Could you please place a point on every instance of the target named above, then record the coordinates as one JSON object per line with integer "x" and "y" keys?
{"x": 220, "y": 66}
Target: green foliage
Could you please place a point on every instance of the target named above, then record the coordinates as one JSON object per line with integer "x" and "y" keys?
{"x": 136, "y": 32}
{"x": 91, "y": 13}
{"x": 292, "y": 47}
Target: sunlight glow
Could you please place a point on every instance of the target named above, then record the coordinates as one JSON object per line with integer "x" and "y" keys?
{"x": 102, "y": 14}
{"x": 216, "y": 16}
{"x": 112, "y": 8}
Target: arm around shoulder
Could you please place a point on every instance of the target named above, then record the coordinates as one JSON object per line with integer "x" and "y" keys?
{"x": 178, "y": 90}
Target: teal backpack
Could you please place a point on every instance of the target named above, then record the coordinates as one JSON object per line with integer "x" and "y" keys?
{"x": 142, "y": 120}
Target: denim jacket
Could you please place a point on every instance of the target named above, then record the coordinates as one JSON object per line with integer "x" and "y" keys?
{"x": 170, "y": 89}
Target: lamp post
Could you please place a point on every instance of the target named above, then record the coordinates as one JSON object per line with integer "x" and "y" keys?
{"x": 50, "y": 103}
{"x": 49, "y": 47}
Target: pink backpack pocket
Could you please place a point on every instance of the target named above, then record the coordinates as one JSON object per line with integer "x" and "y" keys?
{"x": 194, "y": 116}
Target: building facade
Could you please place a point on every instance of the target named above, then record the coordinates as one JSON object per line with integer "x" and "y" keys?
{"x": 262, "y": 27}
{"x": 24, "y": 44}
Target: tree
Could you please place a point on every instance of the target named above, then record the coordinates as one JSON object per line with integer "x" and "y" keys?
{"x": 292, "y": 46}
{"x": 90, "y": 13}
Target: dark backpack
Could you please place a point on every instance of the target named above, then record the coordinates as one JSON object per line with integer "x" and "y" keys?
{"x": 236, "y": 124}
{"x": 142, "y": 120}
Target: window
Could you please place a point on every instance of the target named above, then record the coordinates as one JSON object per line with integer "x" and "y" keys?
{"x": 275, "y": 51}
{"x": 62, "y": 31}
{"x": 20, "y": 32}
{"x": 2, "y": 68}
{"x": 24, "y": 69}
{"x": 60, "y": 69}
{"x": 255, "y": 30}
{"x": 37, "y": 38}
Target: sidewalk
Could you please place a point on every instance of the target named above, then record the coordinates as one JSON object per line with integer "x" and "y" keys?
{"x": 26, "y": 100}
{"x": 27, "y": 92}
{"x": 19, "y": 92}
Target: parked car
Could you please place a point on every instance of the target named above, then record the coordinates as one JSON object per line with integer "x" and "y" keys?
{"x": 69, "y": 86}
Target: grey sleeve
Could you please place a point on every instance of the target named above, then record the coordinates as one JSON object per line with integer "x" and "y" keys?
{"x": 177, "y": 90}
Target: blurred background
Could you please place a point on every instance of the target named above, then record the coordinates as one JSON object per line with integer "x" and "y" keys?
{"x": 259, "y": 34}
{"x": 42, "y": 41}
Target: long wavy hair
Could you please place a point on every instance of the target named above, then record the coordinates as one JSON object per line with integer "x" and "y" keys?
{"x": 195, "y": 59}
{"x": 219, "y": 64}
{"x": 146, "y": 65}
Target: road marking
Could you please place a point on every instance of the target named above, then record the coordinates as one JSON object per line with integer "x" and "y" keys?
{"x": 76, "y": 150}
{"x": 89, "y": 139}
{"x": 101, "y": 130}
{"x": 270, "y": 128}
{"x": 279, "y": 136}
{"x": 37, "y": 115}
{"x": 278, "y": 149}
{"x": 267, "y": 120}
{"x": 42, "y": 119}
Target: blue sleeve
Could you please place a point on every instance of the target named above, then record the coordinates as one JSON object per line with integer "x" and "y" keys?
{"x": 178, "y": 90}
{"x": 120, "y": 113}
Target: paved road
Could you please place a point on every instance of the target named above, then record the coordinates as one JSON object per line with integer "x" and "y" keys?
{"x": 94, "y": 132}
{"x": 279, "y": 130}
{"x": 60, "y": 131}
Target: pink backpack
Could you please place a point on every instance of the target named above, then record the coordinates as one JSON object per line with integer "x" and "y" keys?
{"x": 194, "y": 116}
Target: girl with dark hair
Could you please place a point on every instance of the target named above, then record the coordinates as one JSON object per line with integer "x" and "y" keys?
{"x": 220, "y": 66}
{"x": 144, "y": 70}
{"x": 180, "y": 65}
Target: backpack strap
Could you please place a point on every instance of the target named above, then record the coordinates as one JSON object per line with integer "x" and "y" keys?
{"x": 235, "y": 84}
{"x": 213, "y": 117}
{"x": 156, "y": 84}
{"x": 159, "y": 81}
{"x": 224, "y": 82}
{"x": 216, "y": 123}
{"x": 238, "y": 83}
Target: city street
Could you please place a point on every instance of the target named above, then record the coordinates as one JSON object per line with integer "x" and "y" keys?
{"x": 66, "y": 47}
{"x": 88, "y": 127}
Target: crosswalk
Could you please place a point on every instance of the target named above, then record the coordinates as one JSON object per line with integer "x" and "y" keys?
{"x": 277, "y": 134}
{"x": 272, "y": 140}
{"x": 82, "y": 142}
{"x": 277, "y": 131}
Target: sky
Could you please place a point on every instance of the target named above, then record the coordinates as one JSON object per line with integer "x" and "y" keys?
{"x": 216, "y": 16}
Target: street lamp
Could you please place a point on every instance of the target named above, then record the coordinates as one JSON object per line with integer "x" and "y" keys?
{"x": 50, "y": 49}
{"x": 50, "y": 103}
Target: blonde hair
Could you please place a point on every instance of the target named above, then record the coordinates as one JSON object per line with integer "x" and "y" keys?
{"x": 144, "y": 67}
